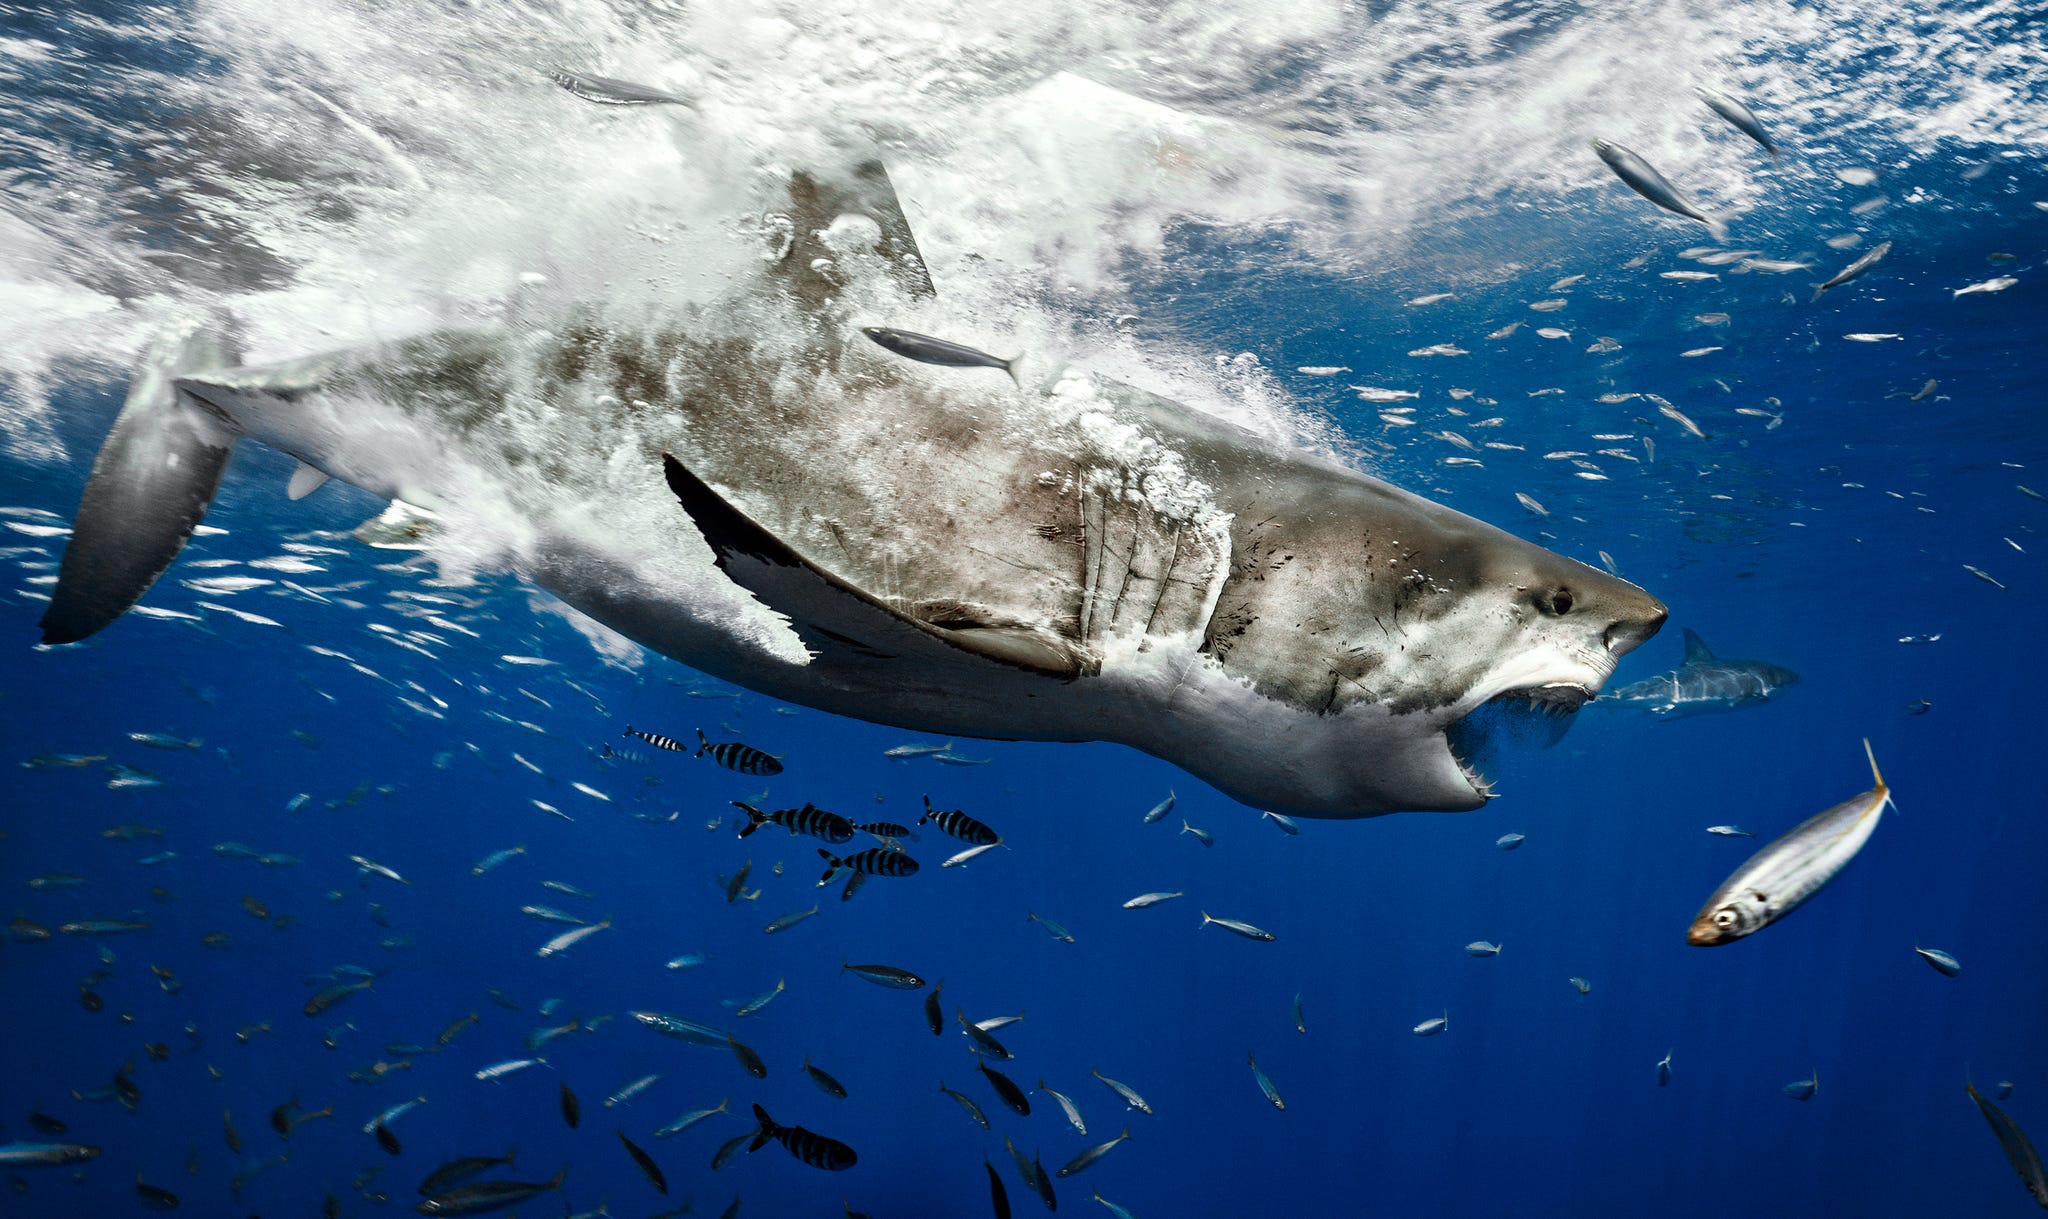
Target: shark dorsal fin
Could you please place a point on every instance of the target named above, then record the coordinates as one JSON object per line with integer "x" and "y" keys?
{"x": 1696, "y": 650}
{"x": 816, "y": 200}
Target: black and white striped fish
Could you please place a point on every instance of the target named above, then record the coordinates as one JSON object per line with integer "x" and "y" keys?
{"x": 659, "y": 741}
{"x": 813, "y": 1149}
{"x": 733, "y": 755}
{"x": 885, "y": 829}
{"x": 810, "y": 819}
{"x": 631, "y": 756}
{"x": 960, "y": 825}
{"x": 875, "y": 861}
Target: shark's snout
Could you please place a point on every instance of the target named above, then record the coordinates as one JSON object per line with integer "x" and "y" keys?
{"x": 1634, "y": 623}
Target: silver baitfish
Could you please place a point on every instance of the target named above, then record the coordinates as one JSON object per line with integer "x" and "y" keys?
{"x": 1643, "y": 179}
{"x": 1265, "y": 1083}
{"x": 927, "y": 350}
{"x": 1125, "y": 1091}
{"x": 1738, "y": 115}
{"x": 2018, "y": 1151}
{"x": 1780, "y": 878}
{"x": 1241, "y": 928}
{"x": 1852, "y": 271}
{"x": 1941, "y": 961}
{"x": 1088, "y": 1157}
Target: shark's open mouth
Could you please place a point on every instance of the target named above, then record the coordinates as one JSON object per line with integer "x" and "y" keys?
{"x": 1533, "y": 717}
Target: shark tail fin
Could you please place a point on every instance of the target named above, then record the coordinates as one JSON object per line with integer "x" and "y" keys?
{"x": 153, "y": 480}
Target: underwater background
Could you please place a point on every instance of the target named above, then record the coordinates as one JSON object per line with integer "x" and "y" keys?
{"x": 1228, "y": 198}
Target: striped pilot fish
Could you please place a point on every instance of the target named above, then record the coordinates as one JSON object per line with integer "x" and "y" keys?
{"x": 875, "y": 861}
{"x": 736, "y": 755}
{"x": 959, "y": 825}
{"x": 813, "y": 1149}
{"x": 810, "y": 819}
{"x": 1780, "y": 878}
{"x": 655, "y": 739}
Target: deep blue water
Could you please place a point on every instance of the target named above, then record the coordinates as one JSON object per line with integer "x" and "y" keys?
{"x": 1817, "y": 544}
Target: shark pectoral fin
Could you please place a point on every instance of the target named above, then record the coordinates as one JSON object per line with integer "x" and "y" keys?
{"x": 839, "y": 621}
{"x": 305, "y": 480}
{"x": 153, "y": 480}
{"x": 1696, "y": 649}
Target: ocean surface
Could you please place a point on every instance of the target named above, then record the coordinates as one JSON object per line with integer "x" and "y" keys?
{"x": 1251, "y": 209}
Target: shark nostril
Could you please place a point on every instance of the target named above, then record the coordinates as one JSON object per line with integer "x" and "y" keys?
{"x": 1624, "y": 635}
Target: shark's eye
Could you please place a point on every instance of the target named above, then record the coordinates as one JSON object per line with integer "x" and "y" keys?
{"x": 1556, "y": 601}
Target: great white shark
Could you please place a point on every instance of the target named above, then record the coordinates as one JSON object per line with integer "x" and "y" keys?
{"x": 1065, "y": 559}
{"x": 1703, "y": 683}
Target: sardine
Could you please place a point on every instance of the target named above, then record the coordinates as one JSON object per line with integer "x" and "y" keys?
{"x": 1941, "y": 961}
{"x": 1088, "y": 1157}
{"x": 1241, "y": 928}
{"x": 1265, "y": 1084}
{"x": 648, "y": 1167}
{"x": 1006, "y": 1088}
{"x": 884, "y": 975}
{"x": 1052, "y": 928}
{"x": 690, "y": 1119}
{"x": 2018, "y": 1151}
{"x": 1644, "y": 179}
{"x": 967, "y": 1103}
{"x": 827, "y": 1084}
{"x": 1855, "y": 269}
{"x": 626, "y": 1094}
{"x": 927, "y": 350}
{"x": 484, "y": 1196}
{"x": 569, "y": 939}
{"x": 45, "y": 1155}
{"x": 788, "y": 920}
{"x": 1803, "y": 1090}
{"x": 1780, "y": 878}
{"x": 1738, "y": 115}
{"x": 1124, "y": 1091}
{"x": 761, "y": 1000}
{"x": 1066, "y": 1104}
{"x": 1287, "y": 825}
{"x": 749, "y": 1061}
